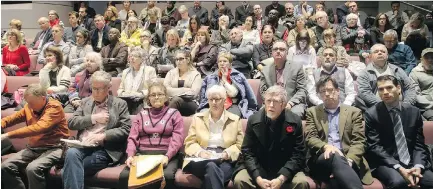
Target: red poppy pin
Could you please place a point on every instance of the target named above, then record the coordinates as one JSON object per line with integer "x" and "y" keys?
{"x": 289, "y": 129}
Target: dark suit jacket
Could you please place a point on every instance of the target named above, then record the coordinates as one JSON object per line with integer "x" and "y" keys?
{"x": 47, "y": 38}
{"x": 117, "y": 129}
{"x": 381, "y": 146}
{"x": 94, "y": 37}
{"x": 120, "y": 55}
{"x": 352, "y": 136}
{"x": 289, "y": 152}
{"x": 242, "y": 13}
{"x": 200, "y": 13}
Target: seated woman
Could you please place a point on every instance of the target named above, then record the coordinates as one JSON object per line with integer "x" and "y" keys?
{"x": 204, "y": 54}
{"x": 210, "y": 135}
{"x": 157, "y": 130}
{"x": 79, "y": 51}
{"x": 111, "y": 18}
{"x": 416, "y": 23}
{"x": 189, "y": 36}
{"x": 240, "y": 97}
{"x": 54, "y": 76}
{"x": 16, "y": 59}
{"x": 329, "y": 37}
{"x": 249, "y": 33}
{"x": 183, "y": 84}
{"x": 354, "y": 38}
{"x": 165, "y": 60}
{"x": 380, "y": 26}
{"x": 14, "y": 24}
{"x": 135, "y": 79}
{"x": 300, "y": 26}
{"x": 131, "y": 34}
{"x": 81, "y": 87}
{"x": 263, "y": 51}
{"x": 151, "y": 52}
{"x": 152, "y": 23}
{"x": 302, "y": 52}
{"x": 222, "y": 35}
{"x": 183, "y": 23}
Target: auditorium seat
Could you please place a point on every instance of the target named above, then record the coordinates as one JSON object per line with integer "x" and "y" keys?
{"x": 33, "y": 62}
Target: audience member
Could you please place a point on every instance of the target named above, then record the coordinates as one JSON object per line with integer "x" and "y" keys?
{"x": 322, "y": 7}
{"x": 322, "y": 25}
{"x": 331, "y": 154}
{"x": 111, "y": 18}
{"x": 342, "y": 77}
{"x": 380, "y": 26}
{"x": 242, "y": 11}
{"x": 300, "y": 26}
{"x": 78, "y": 52}
{"x": 172, "y": 13}
{"x": 215, "y": 132}
{"x": 398, "y": 156}
{"x": 219, "y": 10}
{"x": 85, "y": 20}
{"x": 262, "y": 52}
{"x": 249, "y": 33}
{"x": 222, "y": 35}
{"x": 379, "y": 66}
{"x": 130, "y": 14}
{"x": 272, "y": 20}
{"x": 99, "y": 36}
{"x": 204, "y": 55}
{"x": 164, "y": 135}
{"x": 183, "y": 84}
{"x": 200, "y": 12}
{"x": 397, "y": 18}
{"x": 15, "y": 56}
{"x": 273, "y": 148}
{"x": 342, "y": 11}
{"x": 303, "y": 9}
{"x": 89, "y": 10}
{"x": 103, "y": 123}
{"x": 258, "y": 19}
{"x": 152, "y": 23}
{"x": 158, "y": 38}
{"x": 183, "y": 23}
{"x": 354, "y": 38}
{"x": 46, "y": 125}
{"x": 54, "y": 18}
{"x": 275, "y": 6}
{"x": 329, "y": 38}
{"x": 241, "y": 52}
{"x": 189, "y": 35}
{"x": 362, "y": 18}
{"x": 70, "y": 32}
{"x": 131, "y": 35}
{"x": 54, "y": 76}
{"x": 166, "y": 58}
{"x": 429, "y": 22}
{"x": 423, "y": 76}
{"x": 289, "y": 19}
{"x": 144, "y": 16}
{"x": 399, "y": 54}
{"x": 303, "y": 53}
{"x": 43, "y": 36}
{"x": 151, "y": 52}
{"x": 416, "y": 23}
{"x": 240, "y": 97}
{"x": 65, "y": 49}
{"x": 290, "y": 76}
{"x": 115, "y": 54}
{"x": 14, "y": 24}
{"x": 417, "y": 43}
{"x": 123, "y": 14}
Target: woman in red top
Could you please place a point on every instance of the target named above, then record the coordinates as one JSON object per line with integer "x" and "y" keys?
{"x": 15, "y": 55}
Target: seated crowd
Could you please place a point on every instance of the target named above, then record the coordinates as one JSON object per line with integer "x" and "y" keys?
{"x": 180, "y": 61}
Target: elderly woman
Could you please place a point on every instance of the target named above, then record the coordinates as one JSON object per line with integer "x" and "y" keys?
{"x": 329, "y": 37}
{"x": 214, "y": 133}
{"x": 152, "y": 24}
{"x": 354, "y": 38}
{"x": 183, "y": 84}
{"x": 300, "y": 26}
{"x": 166, "y": 55}
{"x": 111, "y": 18}
{"x": 55, "y": 76}
{"x": 14, "y": 24}
{"x": 222, "y": 35}
{"x": 263, "y": 52}
{"x": 249, "y": 33}
{"x": 54, "y": 18}
{"x": 416, "y": 23}
{"x": 204, "y": 54}
{"x": 302, "y": 52}
{"x": 135, "y": 79}
{"x": 240, "y": 97}
{"x": 193, "y": 27}
{"x": 157, "y": 130}
{"x": 380, "y": 25}
{"x": 183, "y": 23}
{"x": 79, "y": 51}
{"x": 16, "y": 59}
{"x": 151, "y": 52}
{"x": 131, "y": 35}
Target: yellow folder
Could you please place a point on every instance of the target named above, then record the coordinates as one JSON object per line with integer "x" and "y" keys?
{"x": 155, "y": 174}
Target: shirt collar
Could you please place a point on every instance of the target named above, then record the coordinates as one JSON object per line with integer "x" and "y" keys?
{"x": 332, "y": 111}
{"x": 332, "y": 70}
{"x": 220, "y": 120}
{"x": 396, "y": 106}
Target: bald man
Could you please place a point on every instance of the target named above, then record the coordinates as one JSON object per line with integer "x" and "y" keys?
{"x": 323, "y": 24}
{"x": 43, "y": 36}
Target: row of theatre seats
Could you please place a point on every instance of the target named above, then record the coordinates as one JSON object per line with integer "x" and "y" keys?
{"x": 110, "y": 177}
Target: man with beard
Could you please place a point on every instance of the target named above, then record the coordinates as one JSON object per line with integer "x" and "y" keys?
{"x": 322, "y": 25}
{"x": 99, "y": 36}
{"x": 423, "y": 76}
{"x": 342, "y": 76}
{"x": 273, "y": 21}
{"x": 275, "y": 6}
{"x": 288, "y": 20}
{"x": 290, "y": 76}
{"x": 114, "y": 55}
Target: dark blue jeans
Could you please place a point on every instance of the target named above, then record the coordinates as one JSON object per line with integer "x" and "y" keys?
{"x": 81, "y": 162}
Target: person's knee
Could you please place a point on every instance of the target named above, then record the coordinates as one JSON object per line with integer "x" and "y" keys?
{"x": 299, "y": 181}
{"x": 33, "y": 168}
{"x": 397, "y": 182}
{"x": 72, "y": 153}
{"x": 242, "y": 179}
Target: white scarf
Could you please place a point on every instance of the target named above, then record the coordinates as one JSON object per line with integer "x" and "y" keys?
{"x": 133, "y": 82}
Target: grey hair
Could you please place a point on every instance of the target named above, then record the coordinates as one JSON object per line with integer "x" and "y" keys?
{"x": 277, "y": 90}
{"x": 182, "y": 9}
{"x": 43, "y": 19}
{"x": 101, "y": 76}
{"x": 225, "y": 17}
{"x": 95, "y": 57}
{"x": 216, "y": 89}
{"x": 281, "y": 41}
{"x": 136, "y": 52}
{"x": 378, "y": 45}
{"x": 351, "y": 15}
{"x": 35, "y": 89}
{"x": 391, "y": 33}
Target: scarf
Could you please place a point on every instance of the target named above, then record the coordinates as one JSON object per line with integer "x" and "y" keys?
{"x": 54, "y": 22}
{"x": 229, "y": 102}
{"x": 132, "y": 83}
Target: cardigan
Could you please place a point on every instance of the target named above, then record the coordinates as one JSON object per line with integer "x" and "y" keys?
{"x": 76, "y": 57}
{"x": 63, "y": 78}
{"x": 19, "y": 57}
{"x": 191, "y": 86}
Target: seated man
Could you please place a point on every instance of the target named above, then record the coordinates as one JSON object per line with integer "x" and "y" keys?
{"x": 46, "y": 125}
{"x": 241, "y": 51}
{"x": 288, "y": 75}
{"x": 58, "y": 42}
{"x": 43, "y": 36}
{"x": 367, "y": 79}
{"x": 322, "y": 25}
{"x": 71, "y": 32}
{"x": 99, "y": 36}
{"x": 273, "y": 148}
{"x": 423, "y": 76}
{"x": 400, "y": 55}
{"x": 158, "y": 38}
{"x": 331, "y": 154}
{"x": 103, "y": 124}
{"x": 115, "y": 54}
{"x": 340, "y": 74}
{"x": 395, "y": 141}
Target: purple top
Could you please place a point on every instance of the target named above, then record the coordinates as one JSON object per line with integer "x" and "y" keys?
{"x": 162, "y": 130}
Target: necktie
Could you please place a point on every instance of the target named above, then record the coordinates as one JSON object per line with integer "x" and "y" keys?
{"x": 400, "y": 139}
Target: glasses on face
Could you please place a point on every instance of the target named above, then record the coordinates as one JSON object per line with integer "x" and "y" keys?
{"x": 329, "y": 91}
{"x": 282, "y": 49}
{"x": 156, "y": 95}
{"x": 273, "y": 101}
{"x": 179, "y": 59}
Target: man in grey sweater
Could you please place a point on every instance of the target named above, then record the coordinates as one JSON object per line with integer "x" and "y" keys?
{"x": 423, "y": 76}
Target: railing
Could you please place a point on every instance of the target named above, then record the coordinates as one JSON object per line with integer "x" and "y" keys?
{"x": 416, "y": 6}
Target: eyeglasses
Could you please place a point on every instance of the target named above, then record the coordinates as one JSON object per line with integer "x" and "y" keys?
{"x": 279, "y": 49}
{"x": 215, "y": 100}
{"x": 273, "y": 101}
{"x": 156, "y": 95}
{"x": 324, "y": 91}
{"x": 179, "y": 59}
{"x": 143, "y": 36}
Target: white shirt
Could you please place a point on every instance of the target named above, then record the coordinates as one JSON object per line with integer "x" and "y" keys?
{"x": 100, "y": 35}
{"x": 216, "y": 132}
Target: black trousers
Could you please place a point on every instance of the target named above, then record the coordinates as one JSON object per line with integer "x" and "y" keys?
{"x": 186, "y": 107}
{"x": 393, "y": 179}
{"x": 214, "y": 175}
{"x": 344, "y": 175}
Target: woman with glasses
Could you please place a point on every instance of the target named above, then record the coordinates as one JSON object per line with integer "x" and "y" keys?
{"x": 151, "y": 52}
{"x": 183, "y": 84}
{"x": 135, "y": 79}
{"x": 16, "y": 59}
{"x": 302, "y": 52}
{"x": 131, "y": 35}
{"x": 300, "y": 26}
{"x": 157, "y": 130}
{"x": 240, "y": 99}
{"x": 204, "y": 54}
{"x": 354, "y": 37}
{"x": 79, "y": 51}
{"x": 380, "y": 26}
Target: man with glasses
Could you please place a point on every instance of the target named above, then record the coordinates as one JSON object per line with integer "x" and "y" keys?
{"x": 335, "y": 139}
{"x": 289, "y": 18}
{"x": 322, "y": 25}
{"x": 114, "y": 55}
{"x": 400, "y": 55}
{"x": 342, "y": 76}
{"x": 103, "y": 126}
{"x": 290, "y": 76}
{"x": 273, "y": 148}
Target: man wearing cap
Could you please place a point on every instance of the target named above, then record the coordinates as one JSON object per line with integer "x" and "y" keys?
{"x": 423, "y": 76}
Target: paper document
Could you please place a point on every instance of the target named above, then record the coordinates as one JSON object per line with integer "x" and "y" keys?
{"x": 76, "y": 143}
{"x": 146, "y": 163}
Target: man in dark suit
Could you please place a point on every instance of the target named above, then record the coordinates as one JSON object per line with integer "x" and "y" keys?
{"x": 242, "y": 12}
{"x": 275, "y": 6}
{"x": 43, "y": 36}
{"x": 200, "y": 12}
{"x": 335, "y": 139}
{"x": 97, "y": 41}
{"x": 273, "y": 148}
{"x": 396, "y": 150}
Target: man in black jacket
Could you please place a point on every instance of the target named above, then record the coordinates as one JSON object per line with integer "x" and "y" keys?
{"x": 242, "y": 12}
{"x": 273, "y": 148}
{"x": 99, "y": 36}
{"x": 85, "y": 20}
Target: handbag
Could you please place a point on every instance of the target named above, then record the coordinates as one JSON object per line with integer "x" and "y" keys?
{"x": 154, "y": 175}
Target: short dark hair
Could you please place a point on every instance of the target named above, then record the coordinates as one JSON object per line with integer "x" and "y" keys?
{"x": 267, "y": 25}
{"x": 388, "y": 78}
{"x": 394, "y": 2}
{"x": 323, "y": 80}
{"x": 303, "y": 35}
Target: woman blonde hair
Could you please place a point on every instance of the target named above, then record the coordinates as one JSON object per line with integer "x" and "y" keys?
{"x": 115, "y": 13}
{"x": 173, "y": 33}
{"x": 17, "y": 23}
{"x": 182, "y": 9}
{"x": 226, "y": 55}
{"x": 17, "y": 35}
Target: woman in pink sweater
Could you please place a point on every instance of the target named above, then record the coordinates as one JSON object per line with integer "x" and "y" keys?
{"x": 16, "y": 57}
{"x": 157, "y": 130}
